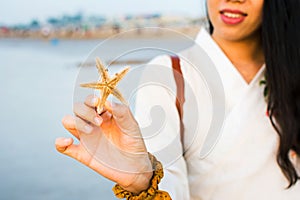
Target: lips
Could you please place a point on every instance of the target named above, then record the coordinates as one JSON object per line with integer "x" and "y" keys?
{"x": 232, "y": 17}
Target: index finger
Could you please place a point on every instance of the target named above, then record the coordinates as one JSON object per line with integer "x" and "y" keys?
{"x": 92, "y": 101}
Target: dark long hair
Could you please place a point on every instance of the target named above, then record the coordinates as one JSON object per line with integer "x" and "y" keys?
{"x": 280, "y": 34}
{"x": 281, "y": 45}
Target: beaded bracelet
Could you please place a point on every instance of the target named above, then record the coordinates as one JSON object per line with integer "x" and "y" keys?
{"x": 152, "y": 193}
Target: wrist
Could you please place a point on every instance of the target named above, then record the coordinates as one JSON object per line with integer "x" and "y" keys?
{"x": 140, "y": 183}
{"x": 136, "y": 189}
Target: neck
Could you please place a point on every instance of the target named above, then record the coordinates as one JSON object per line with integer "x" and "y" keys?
{"x": 246, "y": 55}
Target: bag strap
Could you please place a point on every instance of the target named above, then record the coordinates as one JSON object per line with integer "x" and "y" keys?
{"x": 179, "y": 92}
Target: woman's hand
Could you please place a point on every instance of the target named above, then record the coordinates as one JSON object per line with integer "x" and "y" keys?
{"x": 122, "y": 142}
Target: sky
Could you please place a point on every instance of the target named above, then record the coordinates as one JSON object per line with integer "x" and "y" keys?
{"x": 23, "y": 11}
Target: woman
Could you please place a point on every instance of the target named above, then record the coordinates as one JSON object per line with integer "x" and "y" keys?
{"x": 257, "y": 156}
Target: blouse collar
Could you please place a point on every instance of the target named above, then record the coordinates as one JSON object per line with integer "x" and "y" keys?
{"x": 234, "y": 84}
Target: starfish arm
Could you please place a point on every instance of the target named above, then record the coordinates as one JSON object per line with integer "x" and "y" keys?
{"x": 102, "y": 70}
{"x": 93, "y": 85}
{"x": 105, "y": 93}
{"x": 119, "y": 96}
{"x": 118, "y": 77}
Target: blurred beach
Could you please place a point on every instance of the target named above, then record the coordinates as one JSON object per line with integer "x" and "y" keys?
{"x": 37, "y": 79}
{"x": 79, "y": 26}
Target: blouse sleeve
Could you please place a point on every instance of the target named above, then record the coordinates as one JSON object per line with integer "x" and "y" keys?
{"x": 157, "y": 115}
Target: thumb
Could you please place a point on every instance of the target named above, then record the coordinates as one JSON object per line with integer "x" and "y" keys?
{"x": 66, "y": 146}
{"x": 124, "y": 118}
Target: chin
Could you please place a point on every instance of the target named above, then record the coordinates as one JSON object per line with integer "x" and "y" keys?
{"x": 231, "y": 34}
{"x": 237, "y": 33}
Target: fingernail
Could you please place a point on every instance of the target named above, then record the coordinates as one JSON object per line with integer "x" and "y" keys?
{"x": 99, "y": 110}
{"x": 98, "y": 121}
{"x": 66, "y": 140}
{"x": 95, "y": 101}
{"x": 88, "y": 129}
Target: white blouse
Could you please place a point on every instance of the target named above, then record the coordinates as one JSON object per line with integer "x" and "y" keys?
{"x": 232, "y": 158}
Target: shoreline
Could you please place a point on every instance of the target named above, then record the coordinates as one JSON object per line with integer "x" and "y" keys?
{"x": 148, "y": 33}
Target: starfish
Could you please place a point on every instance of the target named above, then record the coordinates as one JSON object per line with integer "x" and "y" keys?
{"x": 107, "y": 85}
